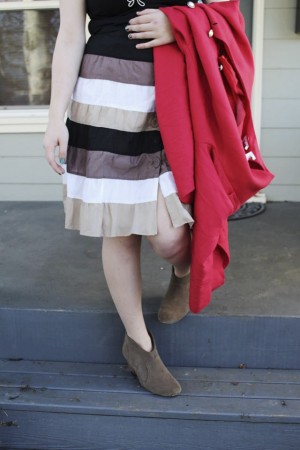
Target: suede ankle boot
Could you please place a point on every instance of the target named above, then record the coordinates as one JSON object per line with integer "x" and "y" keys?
{"x": 149, "y": 368}
{"x": 175, "y": 304}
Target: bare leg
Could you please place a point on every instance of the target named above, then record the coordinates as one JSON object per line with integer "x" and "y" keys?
{"x": 172, "y": 244}
{"x": 121, "y": 264}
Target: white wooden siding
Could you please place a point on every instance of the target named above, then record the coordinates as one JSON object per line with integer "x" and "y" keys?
{"x": 24, "y": 172}
{"x": 280, "y": 139}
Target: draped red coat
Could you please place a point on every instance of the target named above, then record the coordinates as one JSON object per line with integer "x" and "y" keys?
{"x": 203, "y": 90}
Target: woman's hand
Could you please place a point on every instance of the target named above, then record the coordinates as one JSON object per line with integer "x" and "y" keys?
{"x": 56, "y": 135}
{"x": 150, "y": 24}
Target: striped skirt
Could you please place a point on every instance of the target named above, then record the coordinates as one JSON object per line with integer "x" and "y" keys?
{"x": 115, "y": 158}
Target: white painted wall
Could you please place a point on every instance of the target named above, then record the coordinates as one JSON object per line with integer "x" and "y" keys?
{"x": 24, "y": 172}
{"x": 280, "y": 134}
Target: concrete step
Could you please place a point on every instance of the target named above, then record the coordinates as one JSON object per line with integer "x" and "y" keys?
{"x": 47, "y": 405}
{"x": 54, "y": 304}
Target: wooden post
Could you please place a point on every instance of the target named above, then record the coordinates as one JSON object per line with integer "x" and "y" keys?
{"x": 257, "y": 46}
{"x": 298, "y": 17}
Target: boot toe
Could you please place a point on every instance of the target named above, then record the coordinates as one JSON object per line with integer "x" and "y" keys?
{"x": 164, "y": 316}
{"x": 168, "y": 317}
{"x": 171, "y": 388}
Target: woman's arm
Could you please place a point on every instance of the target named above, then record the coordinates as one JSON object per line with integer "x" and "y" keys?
{"x": 150, "y": 24}
{"x": 65, "y": 67}
{"x": 153, "y": 24}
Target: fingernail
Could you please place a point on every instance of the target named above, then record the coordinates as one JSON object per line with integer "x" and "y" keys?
{"x": 130, "y": 36}
{"x": 127, "y": 28}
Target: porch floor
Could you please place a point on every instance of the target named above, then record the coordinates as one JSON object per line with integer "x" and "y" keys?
{"x": 43, "y": 265}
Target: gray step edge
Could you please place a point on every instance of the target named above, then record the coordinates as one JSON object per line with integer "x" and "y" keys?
{"x": 208, "y": 394}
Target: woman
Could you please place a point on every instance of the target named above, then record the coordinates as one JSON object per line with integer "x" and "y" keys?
{"x": 117, "y": 182}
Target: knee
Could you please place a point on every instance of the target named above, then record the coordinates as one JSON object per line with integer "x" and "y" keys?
{"x": 168, "y": 247}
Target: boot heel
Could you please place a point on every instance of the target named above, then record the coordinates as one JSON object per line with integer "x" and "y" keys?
{"x": 132, "y": 371}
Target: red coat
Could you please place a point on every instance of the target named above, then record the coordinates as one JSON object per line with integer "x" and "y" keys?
{"x": 203, "y": 90}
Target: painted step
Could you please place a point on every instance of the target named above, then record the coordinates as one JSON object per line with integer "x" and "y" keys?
{"x": 205, "y": 341}
{"x": 48, "y": 405}
{"x": 54, "y": 304}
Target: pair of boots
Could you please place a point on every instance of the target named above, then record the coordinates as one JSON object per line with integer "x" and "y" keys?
{"x": 148, "y": 366}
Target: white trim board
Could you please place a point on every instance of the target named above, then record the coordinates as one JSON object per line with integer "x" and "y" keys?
{"x": 29, "y": 4}
{"x": 23, "y": 120}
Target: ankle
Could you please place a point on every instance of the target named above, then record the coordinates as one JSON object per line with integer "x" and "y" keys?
{"x": 181, "y": 273}
{"x": 144, "y": 341}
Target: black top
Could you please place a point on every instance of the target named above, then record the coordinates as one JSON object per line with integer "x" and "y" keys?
{"x": 107, "y": 27}
{"x": 97, "y": 9}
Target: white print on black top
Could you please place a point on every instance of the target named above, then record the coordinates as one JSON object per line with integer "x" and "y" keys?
{"x": 132, "y": 2}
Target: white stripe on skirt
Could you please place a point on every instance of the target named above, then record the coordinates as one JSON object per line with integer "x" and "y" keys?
{"x": 130, "y": 97}
{"x": 126, "y": 192}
